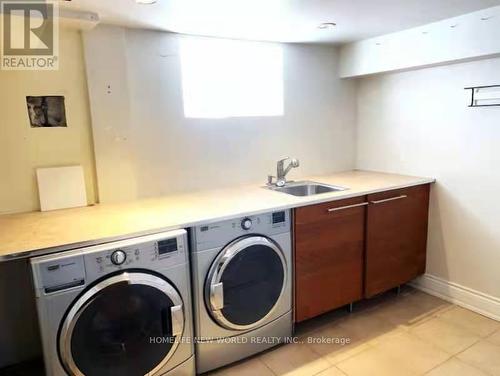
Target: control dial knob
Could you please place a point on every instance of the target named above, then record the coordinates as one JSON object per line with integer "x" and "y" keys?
{"x": 246, "y": 224}
{"x": 118, "y": 257}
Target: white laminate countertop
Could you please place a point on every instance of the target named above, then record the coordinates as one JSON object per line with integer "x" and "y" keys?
{"x": 27, "y": 234}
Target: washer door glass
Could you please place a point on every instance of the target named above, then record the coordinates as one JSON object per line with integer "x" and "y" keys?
{"x": 247, "y": 280}
{"x": 128, "y": 327}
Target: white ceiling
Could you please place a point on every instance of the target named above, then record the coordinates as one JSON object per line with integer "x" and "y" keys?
{"x": 280, "y": 20}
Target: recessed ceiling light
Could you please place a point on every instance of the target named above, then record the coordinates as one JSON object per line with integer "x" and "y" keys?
{"x": 327, "y": 25}
{"x": 145, "y": 1}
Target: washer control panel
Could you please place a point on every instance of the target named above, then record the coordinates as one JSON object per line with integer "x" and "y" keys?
{"x": 154, "y": 254}
{"x": 76, "y": 268}
{"x": 220, "y": 233}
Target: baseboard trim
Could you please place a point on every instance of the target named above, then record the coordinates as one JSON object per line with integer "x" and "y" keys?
{"x": 476, "y": 301}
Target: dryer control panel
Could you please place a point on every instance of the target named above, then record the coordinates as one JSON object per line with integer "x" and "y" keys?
{"x": 76, "y": 268}
{"x": 220, "y": 233}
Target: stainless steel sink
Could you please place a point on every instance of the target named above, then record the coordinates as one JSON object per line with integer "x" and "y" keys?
{"x": 307, "y": 188}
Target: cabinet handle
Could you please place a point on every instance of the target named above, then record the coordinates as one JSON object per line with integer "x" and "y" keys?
{"x": 347, "y": 207}
{"x": 389, "y": 199}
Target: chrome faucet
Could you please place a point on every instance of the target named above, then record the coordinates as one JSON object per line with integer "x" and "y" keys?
{"x": 281, "y": 171}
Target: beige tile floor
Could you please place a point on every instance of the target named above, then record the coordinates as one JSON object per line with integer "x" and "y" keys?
{"x": 410, "y": 334}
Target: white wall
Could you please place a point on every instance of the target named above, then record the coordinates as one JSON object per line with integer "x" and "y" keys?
{"x": 470, "y": 36}
{"x": 418, "y": 123}
{"x": 23, "y": 149}
{"x": 142, "y": 137}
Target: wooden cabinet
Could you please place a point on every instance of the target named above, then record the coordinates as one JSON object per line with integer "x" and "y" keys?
{"x": 329, "y": 253}
{"x": 349, "y": 249}
{"x": 396, "y": 238}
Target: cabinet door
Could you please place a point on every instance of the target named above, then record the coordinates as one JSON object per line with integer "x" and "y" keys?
{"x": 396, "y": 238}
{"x": 329, "y": 243}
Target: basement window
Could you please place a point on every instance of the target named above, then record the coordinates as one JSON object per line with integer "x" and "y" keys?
{"x": 224, "y": 78}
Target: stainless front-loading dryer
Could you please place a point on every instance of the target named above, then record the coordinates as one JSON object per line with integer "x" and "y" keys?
{"x": 242, "y": 287}
{"x": 122, "y": 308}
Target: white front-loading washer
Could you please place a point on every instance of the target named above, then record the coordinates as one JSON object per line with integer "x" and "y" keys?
{"x": 122, "y": 308}
{"x": 242, "y": 287}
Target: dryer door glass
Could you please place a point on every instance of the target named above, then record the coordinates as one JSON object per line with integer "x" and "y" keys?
{"x": 252, "y": 276}
{"x": 126, "y": 328}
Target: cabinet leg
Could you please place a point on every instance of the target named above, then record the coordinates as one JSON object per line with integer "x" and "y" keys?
{"x": 398, "y": 290}
{"x": 350, "y": 307}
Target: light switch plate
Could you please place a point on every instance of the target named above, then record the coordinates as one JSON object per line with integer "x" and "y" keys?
{"x": 61, "y": 187}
